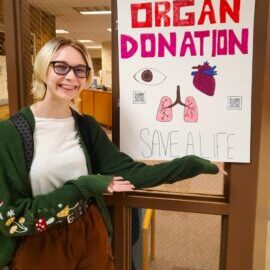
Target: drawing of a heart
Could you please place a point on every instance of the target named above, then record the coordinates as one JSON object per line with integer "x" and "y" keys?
{"x": 204, "y": 79}
{"x": 191, "y": 110}
{"x": 164, "y": 114}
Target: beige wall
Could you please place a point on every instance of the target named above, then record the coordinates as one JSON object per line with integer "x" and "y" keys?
{"x": 106, "y": 63}
{"x": 95, "y": 53}
{"x": 3, "y": 80}
{"x": 96, "y": 66}
{"x": 96, "y": 60}
{"x": 105, "y": 54}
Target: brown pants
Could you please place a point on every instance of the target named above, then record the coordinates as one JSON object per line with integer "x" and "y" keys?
{"x": 81, "y": 245}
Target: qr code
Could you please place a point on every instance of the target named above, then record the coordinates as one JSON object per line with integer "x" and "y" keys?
{"x": 139, "y": 97}
{"x": 234, "y": 103}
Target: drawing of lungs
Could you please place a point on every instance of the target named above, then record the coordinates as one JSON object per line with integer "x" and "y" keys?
{"x": 191, "y": 110}
{"x": 164, "y": 114}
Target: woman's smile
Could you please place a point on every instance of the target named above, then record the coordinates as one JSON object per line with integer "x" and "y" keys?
{"x": 68, "y": 87}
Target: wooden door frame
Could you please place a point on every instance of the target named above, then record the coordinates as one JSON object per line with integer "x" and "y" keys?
{"x": 244, "y": 206}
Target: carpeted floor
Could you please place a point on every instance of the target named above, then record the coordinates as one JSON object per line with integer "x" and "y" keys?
{"x": 189, "y": 242}
{"x": 267, "y": 267}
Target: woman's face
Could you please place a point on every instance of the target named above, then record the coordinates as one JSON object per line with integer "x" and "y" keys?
{"x": 65, "y": 87}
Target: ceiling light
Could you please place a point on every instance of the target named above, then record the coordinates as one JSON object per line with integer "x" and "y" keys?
{"x": 94, "y": 47}
{"x": 61, "y": 31}
{"x": 96, "y": 12}
{"x": 85, "y": 40}
{"x": 109, "y": 29}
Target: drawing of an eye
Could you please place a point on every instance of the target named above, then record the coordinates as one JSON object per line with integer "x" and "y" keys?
{"x": 149, "y": 76}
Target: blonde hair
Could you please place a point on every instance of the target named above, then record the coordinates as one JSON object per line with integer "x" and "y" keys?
{"x": 42, "y": 62}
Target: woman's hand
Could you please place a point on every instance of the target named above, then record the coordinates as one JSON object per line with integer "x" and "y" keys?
{"x": 118, "y": 184}
{"x": 221, "y": 170}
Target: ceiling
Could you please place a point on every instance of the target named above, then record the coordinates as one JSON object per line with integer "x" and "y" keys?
{"x": 93, "y": 27}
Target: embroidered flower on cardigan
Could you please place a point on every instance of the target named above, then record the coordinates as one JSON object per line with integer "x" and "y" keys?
{"x": 10, "y": 213}
{"x": 1, "y": 203}
{"x": 1, "y": 216}
{"x": 60, "y": 205}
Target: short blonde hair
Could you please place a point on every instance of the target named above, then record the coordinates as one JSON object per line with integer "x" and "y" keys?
{"x": 45, "y": 56}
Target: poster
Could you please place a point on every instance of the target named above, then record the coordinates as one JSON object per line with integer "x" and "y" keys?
{"x": 185, "y": 78}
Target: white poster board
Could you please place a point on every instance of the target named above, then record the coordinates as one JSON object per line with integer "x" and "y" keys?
{"x": 185, "y": 78}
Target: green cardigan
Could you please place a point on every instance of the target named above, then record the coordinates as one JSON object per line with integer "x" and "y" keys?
{"x": 20, "y": 212}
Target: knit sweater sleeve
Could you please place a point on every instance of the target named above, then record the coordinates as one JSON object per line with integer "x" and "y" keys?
{"x": 107, "y": 159}
{"x": 21, "y": 215}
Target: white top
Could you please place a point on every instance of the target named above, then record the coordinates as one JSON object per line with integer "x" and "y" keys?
{"x": 58, "y": 156}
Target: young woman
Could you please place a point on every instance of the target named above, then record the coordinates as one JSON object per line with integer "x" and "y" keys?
{"x": 52, "y": 214}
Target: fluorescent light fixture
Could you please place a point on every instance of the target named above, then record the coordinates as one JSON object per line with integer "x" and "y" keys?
{"x": 96, "y": 12}
{"x": 61, "y": 31}
{"x": 94, "y": 47}
{"x": 85, "y": 40}
{"x": 109, "y": 29}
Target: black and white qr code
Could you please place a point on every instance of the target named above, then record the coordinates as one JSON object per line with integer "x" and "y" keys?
{"x": 139, "y": 97}
{"x": 234, "y": 103}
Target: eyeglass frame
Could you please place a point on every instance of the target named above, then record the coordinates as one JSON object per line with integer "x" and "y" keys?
{"x": 88, "y": 69}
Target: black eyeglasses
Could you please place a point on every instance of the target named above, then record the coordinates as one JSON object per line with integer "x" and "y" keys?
{"x": 62, "y": 68}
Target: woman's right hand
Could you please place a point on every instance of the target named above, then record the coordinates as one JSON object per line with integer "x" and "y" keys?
{"x": 118, "y": 184}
